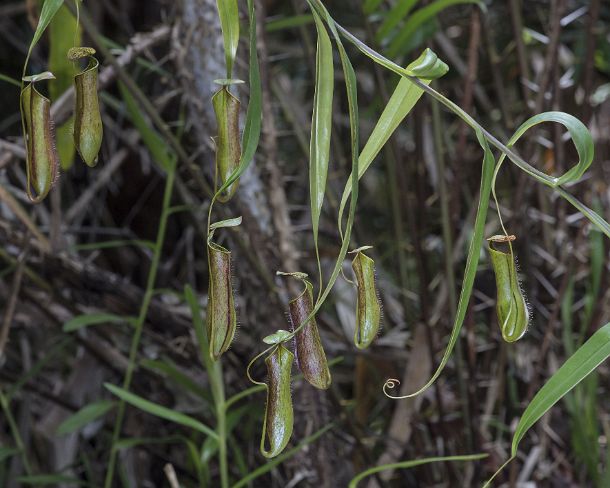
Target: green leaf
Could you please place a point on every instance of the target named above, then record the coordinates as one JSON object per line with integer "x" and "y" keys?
{"x": 50, "y": 479}
{"x": 160, "y": 411}
{"x": 393, "y": 18}
{"x": 252, "y": 126}
{"x": 84, "y": 416}
{"x": 49, "y": 9}
{"x": 63, "y": 34}
{"x": 402, "y": 101}
{"x": 229, "y": 23}
{"x": 321, "y": 128}
{"x": 472, "y": 261}
{"x": 93, "y": 319}
{"x": 369, "y": 6}
{"x": 411, "y": 464}
{"x": 574, "y": 127}
{"x": 418, "y": 18}
{"x": 274, "y": 25}
{"x": 9, "y": 79}
{"x": 166, "y": 368}
{"x": 200, "y": 331}
{"x": 7, "y": 452}
{"x": 159, "y": 150}
{"x": 352, "y": 102}
{"x": 577, "y": 367}
{"x": 268, "y": 466}
{"x": 581, "y": 137}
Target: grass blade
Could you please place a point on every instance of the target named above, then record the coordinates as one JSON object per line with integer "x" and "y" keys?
{"x": 160, "y": 411}
{"x": 418, "y": 18}
{"x": 394, "y": 16}
{"x": 50, "y": 479}
{"x": 94, "y": 319}
{"x": 411, "y": 464}
{"x": 84, "y": 416}
{"x": 154, "y": 142}
{"x": 578, "y": 366}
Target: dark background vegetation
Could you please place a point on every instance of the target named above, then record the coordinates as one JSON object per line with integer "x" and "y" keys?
{"x": 511, "y": 61}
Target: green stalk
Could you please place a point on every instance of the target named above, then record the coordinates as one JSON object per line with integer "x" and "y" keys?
{"x": 218, "y": 392}
{"x": 135, "y": 342}
{"x": 214, "y": 370}
{"x": 15, "y": 432}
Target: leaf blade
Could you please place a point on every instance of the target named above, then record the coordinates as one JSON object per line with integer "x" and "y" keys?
{"x": 84, "y": 416}
{"x": 229, "y": 24}
{"x": 160, "y": 411}
{"x": 321, "y": 127}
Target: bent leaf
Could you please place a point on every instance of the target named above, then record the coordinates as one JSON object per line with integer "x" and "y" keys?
{"x": 472, "y": 261}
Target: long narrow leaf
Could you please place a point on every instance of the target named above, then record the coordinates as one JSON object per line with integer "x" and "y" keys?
{"x": 352, "y": 101}
{"x": 84, "y": 416}
{"x": 411, "y": 464}
{"x": 472, "y": 262}
{"x": 50, "y": 479}
{"x": 418, "y": 18}
{"x": 321, "y": 127}
{"x": 93, "y": 319}
{"x": 160, "y": 411}
{"x": 48, "y": 11}
{"x": 229, "y": 24}
{"x": 394, "y": 16}
{"x": 578, "y": 366}
{"x": 542, "y": 177}
{"x": 402, "y": 101}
